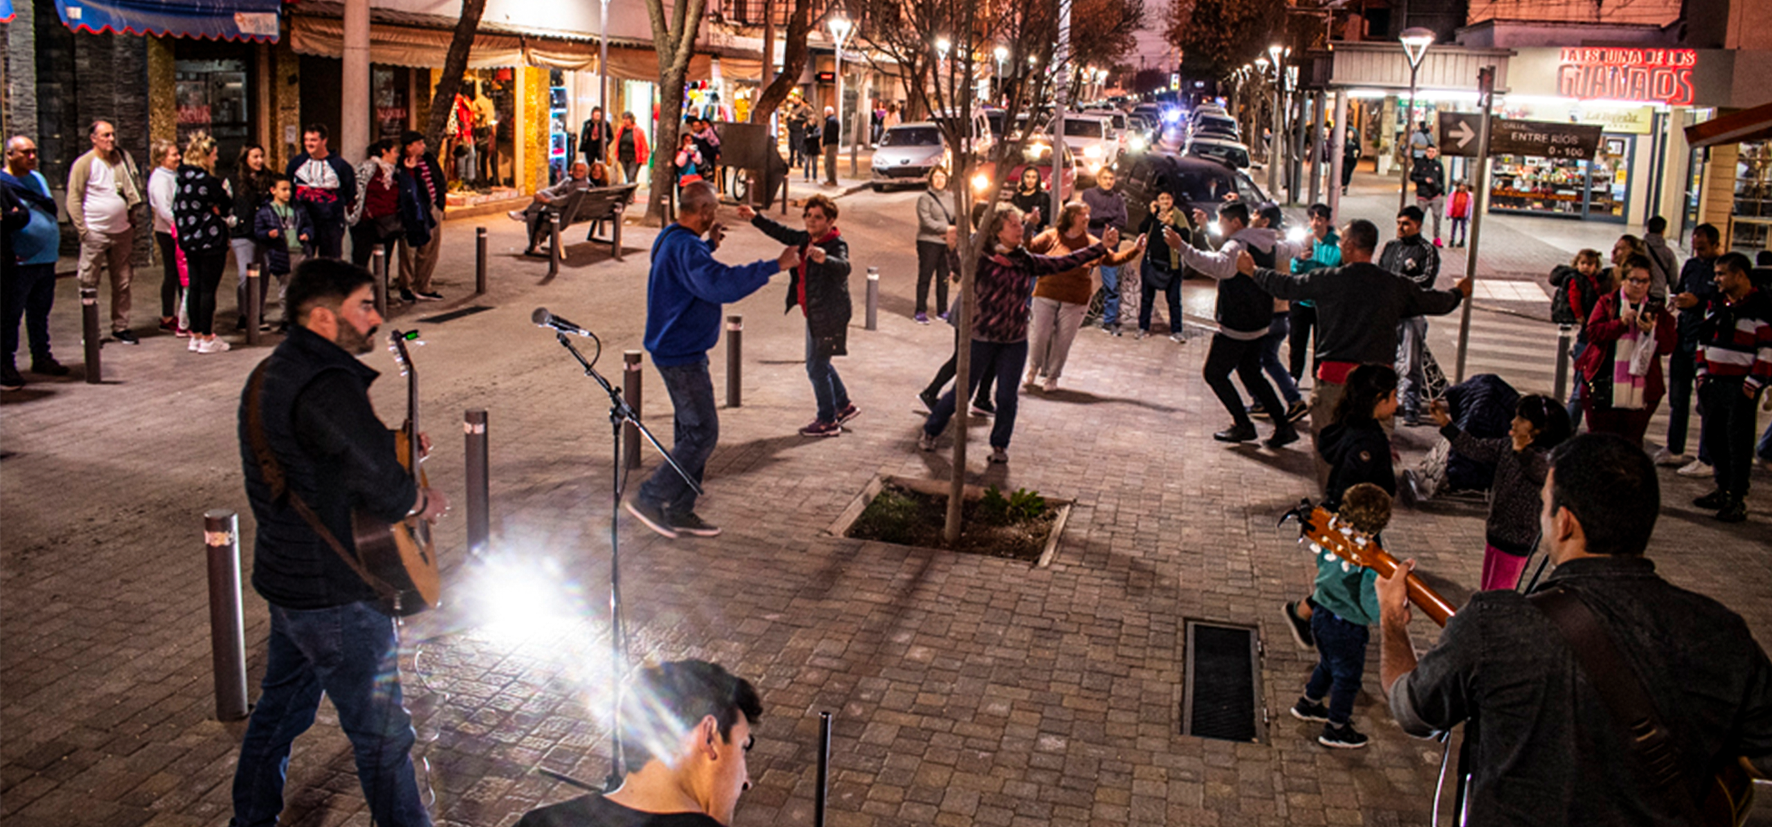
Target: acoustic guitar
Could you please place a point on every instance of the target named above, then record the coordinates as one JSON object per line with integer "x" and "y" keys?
{"x": 402, "y": 555}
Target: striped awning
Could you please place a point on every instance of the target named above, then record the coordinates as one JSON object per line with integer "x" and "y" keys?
{"x": 206, "y": 19}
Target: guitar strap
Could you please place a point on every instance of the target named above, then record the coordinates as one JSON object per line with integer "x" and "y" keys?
{"x": 1622, "y": 692}
{"x": 274, "y": 477}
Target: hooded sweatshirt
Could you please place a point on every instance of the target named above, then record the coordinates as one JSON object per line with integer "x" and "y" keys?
{"x": 1356, "y": 452}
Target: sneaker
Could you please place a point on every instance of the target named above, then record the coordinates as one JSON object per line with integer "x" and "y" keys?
{"x": 984, "y": 409}
{"x": 1236, "y": 433}
{"x": 169, "y": 323}
{"x": 1298, "y": 626}
{"x": 1309, "y": 710}
{"x": 126, "y": 337}
{"x": 943, "y": 315}
{"x": 693, "y": 525}
{"x": 407, "y": 296}
{"x": 1297, "y": 410}
{"x": 182, "y": 332}
{"x": 928, "y": 401}
{"x": 1178, "y": 338}
{"x": 1341, "y": 737}
{"x": 922, "y": 318}
{"x": 1713, "y": 501}
{"x": 427, "y": 296}
{"x": 925, "y": 440}
{"x": 1283, "y": 436}
{"x": 849, "y": 412}
{"x": 1734, "y": 511}
{"x": 1437, "y": 243}
{"x": 1141, "y": 334}
{"x": 517, "y": 215}
{"x": 48, "y": 366}
{"x": 1000, "y": 456}
{"x": 651, "y": 515}
{"x": 213, "y": 345}
{"x": 196, "y": 343}
{"x": 1666, "y": 458}
{"x": 820, "y": 427}
{"x": 1696, "y": 468}
{"x": 11, "y": 379}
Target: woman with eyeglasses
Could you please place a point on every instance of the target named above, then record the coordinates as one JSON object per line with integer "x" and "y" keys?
{"x": 1627, "y": 335}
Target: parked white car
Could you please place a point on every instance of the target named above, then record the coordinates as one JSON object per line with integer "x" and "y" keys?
{"x": 1091, "y": 138}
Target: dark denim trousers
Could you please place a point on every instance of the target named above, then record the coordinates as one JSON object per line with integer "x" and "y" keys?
{"x": 1728, "y": 432}
{"x": 29, "y": 296}
{"x": 350, "y": 654}
{"x": 1341, "y": 663}
{"x": 696, "y": 428}
{"x": 1682, "y": 371}
{"x": 827, "y": 386}
{"x": 1277, "y": 332}
{"x": 1148, "y": 296}
{"x": 1007, "y": 359}
{"x": 1244, "y": 357}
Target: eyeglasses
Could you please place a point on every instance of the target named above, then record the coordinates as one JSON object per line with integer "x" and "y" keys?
{"x": 1638, "y": 281}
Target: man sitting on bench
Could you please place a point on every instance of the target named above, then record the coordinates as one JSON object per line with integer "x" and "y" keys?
{"x": 549, "y": 201}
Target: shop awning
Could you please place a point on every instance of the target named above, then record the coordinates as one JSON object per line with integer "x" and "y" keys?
{"x": 1746, "y": 125}
{"x": 209, "y": 19}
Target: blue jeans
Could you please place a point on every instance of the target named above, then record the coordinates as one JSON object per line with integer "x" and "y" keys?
{"x": 1006, "y": 360}
{"x": 1110, "y": 304}
{"x": 349, "y": 653}
{"x": 1277, "y": 332}
{"x": 827, "y": 386}
{"x": 1341, "y": 663}
{"x": 1575, "y": 407}
{"x": 1411, "y": 383}
{"x": 696, "y": 427}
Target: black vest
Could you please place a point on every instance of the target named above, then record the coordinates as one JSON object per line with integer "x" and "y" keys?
{"x": 1242, "y": 304}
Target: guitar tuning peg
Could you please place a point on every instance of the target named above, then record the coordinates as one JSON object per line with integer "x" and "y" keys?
{"x": 1316, "y": 549}
{"x": 1345, "y": 567}
{"x": 1360, "y": 541}
{"x": 1328, "y": 555}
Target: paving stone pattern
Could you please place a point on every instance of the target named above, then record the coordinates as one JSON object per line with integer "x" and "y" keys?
{"x": 966, "y": 690}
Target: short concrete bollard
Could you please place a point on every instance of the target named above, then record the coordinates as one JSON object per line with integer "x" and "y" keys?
{"x": 734, "y": 359}
{"x": 630, "y": 391}
{"x": 479, "y": 261}
{"x": 554, "y": 254}
{"x": 1564, "y": 333}
{"x": 473, "y": 427}
{"x": 254, "y": 304}
{"x": 873, "y": 298}
{"x": 227, "y": 630}
{"x": 379, "y": 269}
{"x": 89, "y": 330}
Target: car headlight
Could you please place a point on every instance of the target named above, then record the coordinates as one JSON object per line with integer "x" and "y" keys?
{"x": 1092, "y": 151}
{"x": 1137, "y": 142}
{"x": 1094, "y": 167}
{"x": 981, "y": 182}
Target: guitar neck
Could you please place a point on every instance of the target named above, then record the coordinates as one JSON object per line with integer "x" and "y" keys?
{"x": 1423, "y": 596}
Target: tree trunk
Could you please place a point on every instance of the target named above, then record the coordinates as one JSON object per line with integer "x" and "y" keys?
{"x": 675, "y": 44}
{"x": 793, "y": 61}
{"x": 454, "y": 65}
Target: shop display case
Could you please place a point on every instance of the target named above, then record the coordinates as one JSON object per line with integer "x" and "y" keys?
{"x": 1553, "y": 186}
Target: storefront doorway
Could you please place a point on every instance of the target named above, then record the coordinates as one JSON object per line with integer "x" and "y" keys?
{"x": 212, "y": 92}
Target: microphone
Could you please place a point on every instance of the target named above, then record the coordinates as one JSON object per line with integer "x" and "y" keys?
{"x": 543, "y": 318}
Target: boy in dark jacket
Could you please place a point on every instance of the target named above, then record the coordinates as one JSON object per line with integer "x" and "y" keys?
{"x": 286, "y": 231}
{"x": 820, "y": 286}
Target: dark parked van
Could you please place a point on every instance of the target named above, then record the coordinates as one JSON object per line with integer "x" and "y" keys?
{"x": 1194, "y": 183}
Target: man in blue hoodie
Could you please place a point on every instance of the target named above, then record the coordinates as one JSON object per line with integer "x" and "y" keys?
{"x": 683, "y": 297}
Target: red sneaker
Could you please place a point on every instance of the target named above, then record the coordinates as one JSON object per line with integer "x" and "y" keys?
{"x": 820, "y": 427}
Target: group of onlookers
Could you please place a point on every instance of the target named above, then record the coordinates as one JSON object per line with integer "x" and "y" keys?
{"x": 393, "y": 200}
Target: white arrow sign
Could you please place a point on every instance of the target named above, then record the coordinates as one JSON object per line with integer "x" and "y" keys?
{"x": 1463, "y": 133}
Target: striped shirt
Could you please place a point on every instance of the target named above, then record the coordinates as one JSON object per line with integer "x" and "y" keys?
{"x": 1735, "y": 339}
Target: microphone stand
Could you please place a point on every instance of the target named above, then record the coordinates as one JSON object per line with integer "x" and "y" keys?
{"x": 619, "y": 412}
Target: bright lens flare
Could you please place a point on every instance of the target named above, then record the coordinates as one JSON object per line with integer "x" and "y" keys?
{"x": 981, "y": 182}
{"x": 1213, "y": 228}
{"x": 1297, "y": 234}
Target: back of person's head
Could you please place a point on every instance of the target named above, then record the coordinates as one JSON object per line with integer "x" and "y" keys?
{"x": 1320, "y": 211}
{"x": 1413, "y": 213}
{"x": 1361, "y": 235}
{"x": 1366, "y": 507}
{"x": 1271, "y": 212}
{"x": 197, "y": 149}
{"x": 1365, "y": 386}
{"x": 1235, "y": 211}
{"x": 1548, "y": 417}
{"x": 663, "y": 703}
{"x": 1657, "y": 225}
{"x": 381, "y": 147}
{"x": 1763, "y": 258}
{"x": 1610, "y": 487}
{"x": 323, "y": 282}
{"x": 697, "y": 197}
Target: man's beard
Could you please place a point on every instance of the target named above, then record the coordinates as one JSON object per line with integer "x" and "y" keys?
{"x": 353, "y": 342}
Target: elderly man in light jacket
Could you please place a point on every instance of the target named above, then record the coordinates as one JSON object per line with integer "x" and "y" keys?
{"x": 104, "y": 188}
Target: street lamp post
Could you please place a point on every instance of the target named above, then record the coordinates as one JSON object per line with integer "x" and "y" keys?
{"x": 840, "y": 28}
{"x": 1415, "y": 42}
{"x": 1275, "y": 155}
{"x": 942, "y": 46}
{"x": 1002, "y": 54}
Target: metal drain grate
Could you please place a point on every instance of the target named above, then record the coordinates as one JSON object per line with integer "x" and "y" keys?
{"x": 1221, "y": 695}
{"x": 454, "y": 314}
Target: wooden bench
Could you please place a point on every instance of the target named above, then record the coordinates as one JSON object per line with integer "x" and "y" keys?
{"x": 596, "y": 206}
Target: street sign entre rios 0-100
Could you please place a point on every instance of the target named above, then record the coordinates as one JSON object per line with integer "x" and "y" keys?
{"x": 1545, "y": 139}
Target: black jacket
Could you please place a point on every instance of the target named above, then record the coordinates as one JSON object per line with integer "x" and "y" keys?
{"x": 1429, "y": 178}
{"x": 336, "y": 455}
{"x": 200, "y": 208}
{"x": 277, "y": 249}
{"x": 595, "y": 148}
{"x": 827, "y": 285}
{"x": 1355, "y": 453}
{"x": 438, "y": 182}
{"x": 1358, "y": 307}
{"x": 250, "y": 192}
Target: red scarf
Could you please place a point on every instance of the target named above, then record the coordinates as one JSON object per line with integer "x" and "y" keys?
{"x": 800, "y": 286}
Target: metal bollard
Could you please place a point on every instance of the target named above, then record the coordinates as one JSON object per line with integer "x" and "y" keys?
{"x": 227, "y": 630}
{"x": 630, "y": 390}
{"x": 824, "y": 770}
{"x": 734, "y": 358}
{"x": 253, "y": 308}
{"x": 89, "y": 330}
{"x": 479, "y": 500}
{"x": 379, "y": 268}
{"x": 1564, "y": 333}
{"x": 554, "y": 254}
{"x": 479, "y": 261}
{"x": 873, "y": 298}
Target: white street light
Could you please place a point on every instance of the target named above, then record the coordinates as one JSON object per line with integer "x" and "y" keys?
{"x": 1002, "y": 54}
{"x": 1415, "y": 42}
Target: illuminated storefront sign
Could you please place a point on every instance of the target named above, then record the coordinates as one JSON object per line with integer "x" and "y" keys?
{"x": 1663, "y": 75}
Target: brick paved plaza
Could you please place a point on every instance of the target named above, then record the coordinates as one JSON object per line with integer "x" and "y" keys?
{"x": 966, "y": 690}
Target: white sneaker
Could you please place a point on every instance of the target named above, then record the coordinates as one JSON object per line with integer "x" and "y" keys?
{"x": 215, "y": 345}
{"x": 516, "y": 215}
{"x": 196, "y": 344}
{"x": 1697, "y": 468}
{"x": 1663, "y": 457}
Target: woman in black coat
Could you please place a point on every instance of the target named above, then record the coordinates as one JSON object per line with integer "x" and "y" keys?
{"x": 201, "y": 207}
{"x": 820, "y": 287}
{"x": 252, "y": 188}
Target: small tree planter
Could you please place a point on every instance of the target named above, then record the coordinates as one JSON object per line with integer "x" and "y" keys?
{"x": 914, "y": 514}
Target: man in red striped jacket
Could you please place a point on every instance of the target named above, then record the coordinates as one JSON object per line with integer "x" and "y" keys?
{"x": 1734, "y": 365}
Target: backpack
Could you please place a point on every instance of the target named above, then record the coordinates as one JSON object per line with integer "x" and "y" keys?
{"x": 1561, "y": 311}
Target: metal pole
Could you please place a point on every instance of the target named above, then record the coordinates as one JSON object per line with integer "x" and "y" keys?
{"x": 831, "y": 158}
{"x": 1337, "y": 152}
{"x": 1479, "y": 206}
{"x": 227, "y": 630}
{"x": 734, "y": 359}
{"x": 858, "y": 132}
{"x": 873, "y": 298}
{"x": 1409, "y": 154}
{"x": 252, "y": 307}
{"x": 554, "y": 243}
{"x": 89, "y": 332}
{"x": 378, "y": 263}
{"x": 630, "y": 389}
{"x": 1276, "y": 134}
{"x": 473, "y": 428}
{"x": 479, "y": 261}
{"x": 1314, "y": 146}
{"x": 1565, "y": 332}
{"x": 824, "y": 769}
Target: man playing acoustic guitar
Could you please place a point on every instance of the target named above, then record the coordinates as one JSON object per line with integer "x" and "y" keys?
{"x": 328, "y": 454}
{"x": 1553, "y": 748}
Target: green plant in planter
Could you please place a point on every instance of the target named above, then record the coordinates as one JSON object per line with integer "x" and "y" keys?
{"x": 1023, "y": 505}
{"x": 891, "y": 518}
